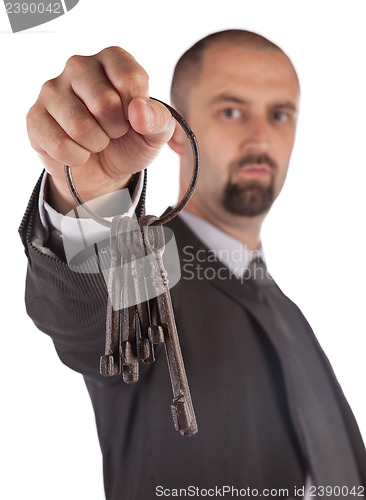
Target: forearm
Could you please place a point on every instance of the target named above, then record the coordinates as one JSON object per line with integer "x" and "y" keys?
{"x": 69, "y": 306}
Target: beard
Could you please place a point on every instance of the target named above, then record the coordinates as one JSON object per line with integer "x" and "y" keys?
{"x": 249, "y": 198}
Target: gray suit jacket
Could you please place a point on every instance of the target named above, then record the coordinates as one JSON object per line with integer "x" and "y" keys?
{"x": 247, "y": 434}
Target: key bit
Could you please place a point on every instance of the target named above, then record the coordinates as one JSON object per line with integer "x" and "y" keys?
{"x": 182, "y": 416}
{"x": 156, "y": 334}
{"x": 155, "y": 331}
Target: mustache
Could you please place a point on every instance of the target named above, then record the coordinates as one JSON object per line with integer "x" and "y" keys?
{"x": 263, "y": 159}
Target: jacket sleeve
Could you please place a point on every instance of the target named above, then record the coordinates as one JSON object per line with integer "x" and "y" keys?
{"x": 68, "y": 306}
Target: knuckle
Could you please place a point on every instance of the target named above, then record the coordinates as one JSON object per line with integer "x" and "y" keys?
{"x": 114, "y": 50}
{"x": 101, "y": 145}
{"x": 82, "y": 129}
{"x": 64, "y": 151}
{"x": 49, "y": 86}
{"x": 58, "y": 147}
{"x": 79, "y": 127}
{"x": 29, "y": 119}
{"x": 105, "y": 104}
{"x": 135, "y": 81}
{"x": 37, "y": 147}
{"x": 77, "y": 158}
{"x": 133, "y": 77}
{"x": 139, "y": 76}
{"x": 75, "y": 62}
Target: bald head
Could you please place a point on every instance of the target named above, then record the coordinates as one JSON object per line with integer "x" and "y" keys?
{"x": 188, "y": 69}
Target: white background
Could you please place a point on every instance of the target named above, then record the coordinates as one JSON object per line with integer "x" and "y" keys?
{"x": 314, "y": 237}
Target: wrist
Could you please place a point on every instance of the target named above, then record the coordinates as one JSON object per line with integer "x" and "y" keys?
{"x": 60, "y": 198}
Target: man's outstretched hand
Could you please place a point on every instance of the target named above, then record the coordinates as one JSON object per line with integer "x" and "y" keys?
{"x": 97, "y": 117}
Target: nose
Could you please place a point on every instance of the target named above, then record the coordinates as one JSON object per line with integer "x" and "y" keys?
{"x": 256, "y": 138}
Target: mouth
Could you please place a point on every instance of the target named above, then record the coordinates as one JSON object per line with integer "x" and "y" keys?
{"x": 255, "y": 171}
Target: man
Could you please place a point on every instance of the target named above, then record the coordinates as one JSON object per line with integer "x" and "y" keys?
{"x": 269, "y": 418}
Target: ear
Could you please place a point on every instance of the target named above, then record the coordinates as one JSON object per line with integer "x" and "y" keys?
{"x": 178, "y": 140}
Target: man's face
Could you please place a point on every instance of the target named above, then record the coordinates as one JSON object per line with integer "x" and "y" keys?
{"x": 243, "y": 110}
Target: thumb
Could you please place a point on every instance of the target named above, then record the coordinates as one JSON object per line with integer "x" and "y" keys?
{"x": 152, "y": 120}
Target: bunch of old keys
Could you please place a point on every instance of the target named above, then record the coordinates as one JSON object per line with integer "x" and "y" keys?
{"x": 134, "y": 322}
{"x": 136, "y": 318}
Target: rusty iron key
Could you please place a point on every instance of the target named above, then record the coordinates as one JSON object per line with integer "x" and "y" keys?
{"x": 110, "y": 363}
{"x": 134, "y": 323}
{"x": 182, "y": 407}
{"x": 128, "y": 328}
{"x": 137, "y": 255}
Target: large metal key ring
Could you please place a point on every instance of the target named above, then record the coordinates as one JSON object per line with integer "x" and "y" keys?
{"x": 182, "y": 203}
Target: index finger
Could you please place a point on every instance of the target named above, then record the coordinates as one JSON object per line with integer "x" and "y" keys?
{"x": 125, "y": 74}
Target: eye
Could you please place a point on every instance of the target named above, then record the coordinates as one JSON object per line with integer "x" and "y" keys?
{"x": 281, "y": 116}
{"x": 231, "y": 113}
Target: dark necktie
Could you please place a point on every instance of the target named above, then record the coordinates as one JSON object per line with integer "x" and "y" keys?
{"x": 323, "y": 433}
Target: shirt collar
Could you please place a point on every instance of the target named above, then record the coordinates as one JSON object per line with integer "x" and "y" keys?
{"x": 236, "y": 256}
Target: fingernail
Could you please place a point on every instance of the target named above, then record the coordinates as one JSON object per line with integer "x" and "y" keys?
{"x": 150, "y": 114}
